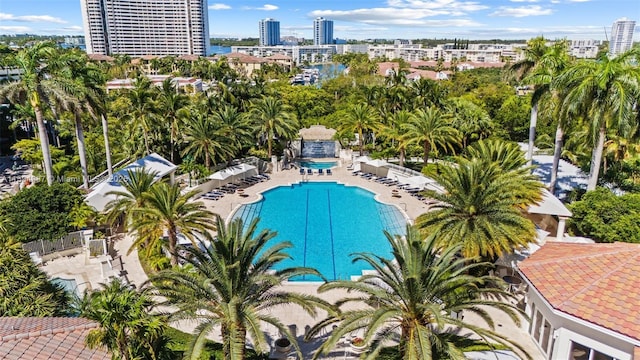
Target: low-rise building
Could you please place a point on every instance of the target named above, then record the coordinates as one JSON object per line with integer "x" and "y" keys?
{"x": 583, "y": 300}
{"x": 189, "y": 85}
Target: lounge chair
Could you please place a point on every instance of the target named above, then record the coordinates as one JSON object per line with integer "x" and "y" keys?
{"x": 320, "y": 172}
{"x": 301, "y": 171}
{"x": 329, "y": 172}
{"x": 309, "y": 172}
{"x": 356, "y": 173}
{"x": 264, "y": 177}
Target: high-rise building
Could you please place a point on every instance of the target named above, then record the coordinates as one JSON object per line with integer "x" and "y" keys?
{"x": 146, "y": 27}
{"x": 322, "y": 31}
{"x": 621, "y": 36}
{"x": 269, "y": 32}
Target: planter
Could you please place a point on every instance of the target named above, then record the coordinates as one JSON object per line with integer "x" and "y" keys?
{"x": 282, "y": 345}
{"x": 358, "y": 346}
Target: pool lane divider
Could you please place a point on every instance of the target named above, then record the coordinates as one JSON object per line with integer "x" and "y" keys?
{"x": 306, "y": 227}
{"x": 333, "y": 256}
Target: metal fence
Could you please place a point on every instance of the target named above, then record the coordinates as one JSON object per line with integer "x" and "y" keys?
{"x": 44, "y": 247}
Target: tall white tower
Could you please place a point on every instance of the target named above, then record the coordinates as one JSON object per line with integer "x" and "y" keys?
{"x": 146, "y": 27}
{"x": 322, "y": 31}
{"x": 621, "y": 36}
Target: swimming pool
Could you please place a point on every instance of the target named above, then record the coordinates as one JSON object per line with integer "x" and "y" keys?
{"x": 317, "y": 164}
{"x": 326, "y": 222}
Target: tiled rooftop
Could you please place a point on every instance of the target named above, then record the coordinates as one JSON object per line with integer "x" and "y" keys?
{"x": 47, "y": 338}
{"x": 595, "y": 282}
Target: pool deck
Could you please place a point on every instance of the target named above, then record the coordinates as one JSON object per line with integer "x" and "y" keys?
{"x": 89, "y": 273}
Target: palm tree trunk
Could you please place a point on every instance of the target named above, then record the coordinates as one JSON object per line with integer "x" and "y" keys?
{"x": 172, "y": 141}
{"x": 107, "y": 148}
{"x": 532, "y": 133}
{"x": 173, "y": 241}
{"x": 557, "y": 151}
{"x": 426, "y": 153}
{"x": 82, "y": 151}
{"x": 596, "y": 159}
{"x": 402, "y": 155}
{"x": 361, "y": 141}
{"x": 44, "y": 144}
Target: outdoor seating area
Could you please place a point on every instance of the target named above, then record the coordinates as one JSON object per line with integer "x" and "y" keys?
{"x": 236, "y": 184}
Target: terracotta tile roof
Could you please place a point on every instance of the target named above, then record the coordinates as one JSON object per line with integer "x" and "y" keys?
{"x": 385, "y": 67}
{"x": 47, "y": 338}
{"x": 279, "y": 57}
{"x": 100, "y": 57}
{"x": 189, "y": 57}
{"x": 598, "y": 283}
{"x": 244, "y": 58}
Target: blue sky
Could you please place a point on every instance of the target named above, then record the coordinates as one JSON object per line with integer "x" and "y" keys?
{"x": 362, "y": 19}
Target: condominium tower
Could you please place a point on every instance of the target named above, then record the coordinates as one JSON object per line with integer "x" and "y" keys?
{"x": 269, "y": 32}
{"x": 146, "y": 27}
{"x": 322, "y": 31}
{"x": 621, "y": 36}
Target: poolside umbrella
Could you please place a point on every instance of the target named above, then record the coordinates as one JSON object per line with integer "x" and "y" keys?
{"x": 220, "y": 178}
{"x": 241, "y": 171}
{"x": 377, "y": 167}
{"x": 421, "y": 182}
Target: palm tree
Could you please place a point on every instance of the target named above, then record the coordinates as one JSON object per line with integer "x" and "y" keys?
{"x": 234, "y": 128}
{"x": 533, "y": 53}
{"x": 395, "y": 131}
{"x": 166, "y": 209}
{"x": 412, "y": 298}
{"x": 89, "y": 97}
{"x": 173, "y": 106}
{"x": 605, "y": 91}
{"x": 273, "y": 120}
{"x": 127, "y": 327}
{"x": 204, "y": 139}
{"x": 430, "y": 128}
{"x": 143, "y": 108}
{"x": 137, "y": 183}
{"x": 481, "y": 208}
{"x": 233, "y": 286}
{"x": 552, "y": 63}
{"x": 360, "y": 118}
{"x": 41, "y": 86}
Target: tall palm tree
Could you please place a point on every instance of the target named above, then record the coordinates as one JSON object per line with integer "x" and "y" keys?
{"x": 143, "y": 109}
{"x": 412, "y": 298}
{"x": 41, "y": 86}
{"x": 234, "y": 127}
{"x": 605, "y": 91}
{"x": 173, "y": 107}
{"x": 89, "y": 97}
{"x": 481, "y": 209}
{"x": 430, "y": 128}
{"x": 128, "y": 329}
{"x": 550, "y": 65}
{"x": 204, "y": 139}
{"x": 533, "y": 53}
{"x": 273, "y": 119}
{"x": 233, "y": 286}
{"x": 166, "y": 209}
{"x": 136, "y": 183}
{"x": 360, "y": 118}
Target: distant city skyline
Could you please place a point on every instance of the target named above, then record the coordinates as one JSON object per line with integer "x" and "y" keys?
{"x": 366, "y": 19}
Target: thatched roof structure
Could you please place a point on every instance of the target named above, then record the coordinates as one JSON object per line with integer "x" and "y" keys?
{"x": 317, "y": 132}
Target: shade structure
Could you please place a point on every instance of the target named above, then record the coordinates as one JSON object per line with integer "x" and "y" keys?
{"x": 377, "y": 167}
{"x": 232, "y": 174}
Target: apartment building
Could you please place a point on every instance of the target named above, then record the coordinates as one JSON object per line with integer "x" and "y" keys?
{"x": 621, "y": 36}
{"x": 322, "y": 31}
{"x": 146, "y": 27}
{"x": 269, "y": 32}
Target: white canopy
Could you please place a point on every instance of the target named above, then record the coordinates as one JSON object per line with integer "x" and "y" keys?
{"x": 362, "y": 159}
{"x": 550, "y": 205}
{"x": 233, "y": 173}
{"x": 153, "y": 163}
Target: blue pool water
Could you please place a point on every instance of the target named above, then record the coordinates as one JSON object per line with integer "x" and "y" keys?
{"x": 326, "y": 222}
{"x": 318, "y": 164}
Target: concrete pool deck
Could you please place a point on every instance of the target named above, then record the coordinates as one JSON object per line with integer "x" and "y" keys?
{"x": 78, "y": 267}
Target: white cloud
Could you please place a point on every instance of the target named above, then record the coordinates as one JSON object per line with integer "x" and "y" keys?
{"x": 15, "y": 29}
{"x": 577, "y": 1}
{"x": 265, "y": 7}
{"x": 523, "y": 11}
{"x": 31, "y": 18}
{"x": 526, "y": 1}
{"x": 219, "y": 6}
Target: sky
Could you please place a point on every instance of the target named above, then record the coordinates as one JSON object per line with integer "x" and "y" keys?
{"x": 367, "y": 19}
